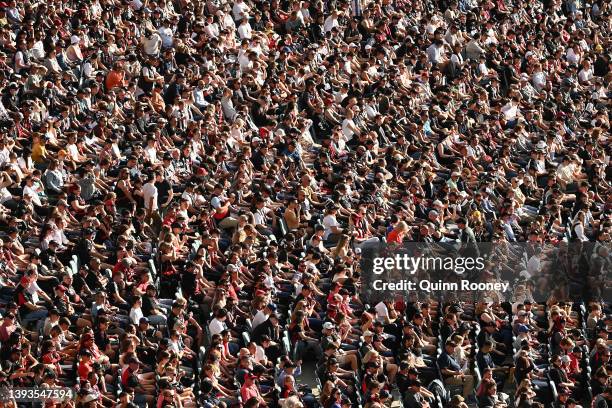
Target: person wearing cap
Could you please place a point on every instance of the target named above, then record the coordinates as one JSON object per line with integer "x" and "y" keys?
{"x": 451, "y": 370}
{"x": 85, "y": 365}
{"x": 143, "y": 392}
{"x": 250, "y": 390}
{"x": 417, "y": 396}
{"x": 347, "y": 356}
{"x": 65, "y": 307}
{"x": 27, "y": 295}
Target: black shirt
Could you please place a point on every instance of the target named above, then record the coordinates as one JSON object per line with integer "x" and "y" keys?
{"x": 258, "y": 160}
{"x": 268, "y": 329}
{"x": 149, "y": 304}
{"x": 403, "y": 383}
{"x": 101, "y": 339}
{"x": 83, "y": 250}
{"x": 163, "y": 191}
{"x": 486, "y": 402}
{"x": 62, "y": 306}
{"x": 112, "y": 289}
{"x": 48, "y": 258}
{"x": 93, "y": 281}
{"x": 79, "y": 283}
{"x": 558, "y": 376}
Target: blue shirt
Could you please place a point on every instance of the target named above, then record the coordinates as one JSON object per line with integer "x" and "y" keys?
{"x": 446, "y": 361}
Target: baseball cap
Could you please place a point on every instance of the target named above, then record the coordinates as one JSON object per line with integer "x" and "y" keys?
{"x": 329, "y": 326}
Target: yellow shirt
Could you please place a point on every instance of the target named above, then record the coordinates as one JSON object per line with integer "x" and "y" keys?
{"x": 38, "y": 152}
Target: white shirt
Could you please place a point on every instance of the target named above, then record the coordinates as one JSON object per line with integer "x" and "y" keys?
{"x": 533, "y": 265}
{"x": 5, "y": 195}
{"x": 572, "y": 57}
{"x": 198, "y": 98}
{"x": 73, "y": 150}
{"x": 150, "y": 191}
{"x": 259, "y": 318}
{"x": 259, "y": 216}
{"x": 483, "y": 69}
{"x": 136, "y": 4}
{"x": 151, "y": 153}
{"x": 38, "y": 51}
{"x": 33, "y": 290}
{"x": 4, "y": 156}
{"x": 579, "y": 230}
{"x": 328, "y": 222}
{"x": 330, "y": 23}
{"x": 347, "y": 130}
{"x": 58, "y": 236}
{"x": 244, "y": 31}
{"x": 240, "y": 10}
{"x": 174, "y": 346}
{"x": 585, "y": 74}
{"x": 152, "y": 45}
{"x": 135, "y": 315}
{"x": 539, "y": 80}
{"x": 216, "y": 326}
{"x": 212, "y": 30}
{"x": 510, "y": 111}
{"x": 434, "y": 53}
{"x": 32, "y": 193}
{"x": 166, "y": 36}
{"x": 260, "y": 354}
{"x": 382, "y": 313}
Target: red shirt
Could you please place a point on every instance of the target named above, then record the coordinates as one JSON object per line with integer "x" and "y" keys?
{"x": 84, "y": 369}
{"x": 395, "y": 236}
{"x": 125, "y": 375}
{"x": 248, "y": 392}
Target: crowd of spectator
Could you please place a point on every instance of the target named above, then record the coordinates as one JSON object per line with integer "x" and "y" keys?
{"x": 187, "y": 188}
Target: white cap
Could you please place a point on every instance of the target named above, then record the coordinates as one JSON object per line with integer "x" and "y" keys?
{"x": 368, "y": 334}
{"x": 75, "y": 39}
{"x": 328, "y": 325}
{"x": 255, "y": 139}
